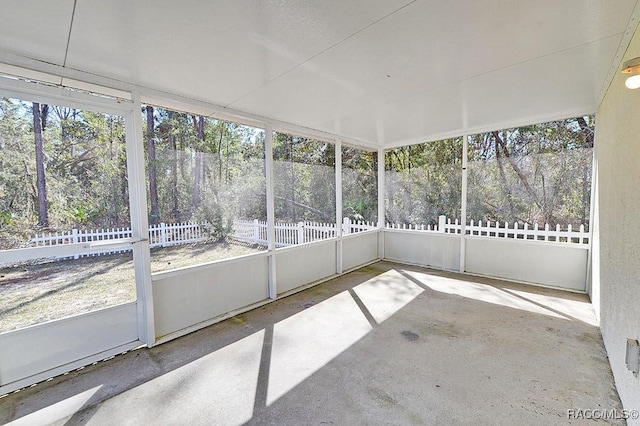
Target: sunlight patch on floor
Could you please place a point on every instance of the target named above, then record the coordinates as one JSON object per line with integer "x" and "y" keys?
{"x": 578, "y": 309}
{"x": 308, "y": 340}
{"x": 386, "y": 294}
{"x": 65, "y": 408}
{"x": 481, "y": 292}
{"x": 193, "y": 391}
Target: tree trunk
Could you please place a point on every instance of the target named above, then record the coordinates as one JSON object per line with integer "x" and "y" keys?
{"x": 114, "y": 186}
{"x": 503, "y": 178}
{"x": 294, "y": 211}
{"x": 374, "y": 163}
{"x": 174, "y": 170}
{"x": 151, "y": 152}
{"x": 586, "y": 194}
{"x": 195, "y": 200}
{"x": 41, "y": 184}
{"x": 219, "y": 153}
{"x": 516, "y": 168}
{"x": 124, "y": 189}
{"x": 227, "y": 179}
{"x": 587, "y": 132}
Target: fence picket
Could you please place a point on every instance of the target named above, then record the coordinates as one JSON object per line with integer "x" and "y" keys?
{"x": 255, "y": 232}
{"x": 504, "y": 230}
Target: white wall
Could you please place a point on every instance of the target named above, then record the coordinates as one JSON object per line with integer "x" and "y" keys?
{"x": 550, "y": 264}
{"x": 536, "y": 262}
{"x": 617, "y": 258}
{"x": 191, "y": 298}
{"x": 440, "y": 251}
{"x": 358, "y": 249}
{"x": 45, "y": 350}
{"x": 304, "y": 264}
{"x": 184, "y": 298}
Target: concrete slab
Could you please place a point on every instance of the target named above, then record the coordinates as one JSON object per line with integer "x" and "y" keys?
{"x": 386, "y": 344}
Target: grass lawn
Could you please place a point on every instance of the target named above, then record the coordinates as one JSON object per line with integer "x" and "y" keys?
{"x": 32, "y": 294}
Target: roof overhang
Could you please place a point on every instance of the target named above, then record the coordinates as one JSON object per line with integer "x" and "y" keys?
{"x": 376, "y": 73}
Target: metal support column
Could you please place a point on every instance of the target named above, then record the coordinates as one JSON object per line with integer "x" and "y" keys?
{"x": 338, "y": 174}
{"x": 271, "y": 211}
{"x": 139, "y": 221}
{"x": 381, "y": 198}
{"x": 463, "y": 210}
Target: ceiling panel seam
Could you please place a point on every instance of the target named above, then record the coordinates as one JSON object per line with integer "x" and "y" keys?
{"x": 418, "y": 94}
{"x": 323, "y": 51}
{"x": 66, "y": 50}
{"x": 212, "y": 110}
{"x": 496, "y": 126}
{"x": 620, "y": 52}
{"x": 555, "y": 52}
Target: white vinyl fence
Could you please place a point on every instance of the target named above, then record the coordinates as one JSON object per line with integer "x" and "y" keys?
{"x": 288, "y": 234}
{"x": 160, "y": 235}
{"x": 504, "y": 230}
{"x": 170, "y": 234}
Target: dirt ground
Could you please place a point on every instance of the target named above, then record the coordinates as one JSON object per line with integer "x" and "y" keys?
{"x": 32, "y": 294}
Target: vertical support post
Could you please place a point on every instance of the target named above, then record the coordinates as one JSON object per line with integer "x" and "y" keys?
{"x": 593, "y": 273}
{"x": 338, "y": 174}
{"x": 442, "y": 222}
{"x": 463, "y": 210}
{"x": 381, "y": 199}
{"x": 139, "y": 221}
{"x": 163, "y": 234}
{"x": 75, "y": 241}
{"x": 271, "y": 209}
{"x": 256, "y": 232}
{"x": 300, "y": 229}
{"x": 346, "y": 224}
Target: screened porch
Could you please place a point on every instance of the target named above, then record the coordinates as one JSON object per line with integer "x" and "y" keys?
{"x": 407, "y": 170}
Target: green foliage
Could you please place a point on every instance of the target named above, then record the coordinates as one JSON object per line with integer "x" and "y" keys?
{"x": 533, "y": 174}
{"x": 84, "y": 167}
{"x": 6, "y": 219}
{"x": 424, "y": 181}
{"x": 304, "y": 179}
{"x": 82, "y": 214}
{"x": 359, "y": 184}
{"x": 215, "y": 179}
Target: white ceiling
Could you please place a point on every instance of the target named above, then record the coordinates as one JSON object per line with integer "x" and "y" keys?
{"x": 383, "y": 72}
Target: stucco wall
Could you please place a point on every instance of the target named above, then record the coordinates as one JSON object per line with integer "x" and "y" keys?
{"x": 616, "y": 279}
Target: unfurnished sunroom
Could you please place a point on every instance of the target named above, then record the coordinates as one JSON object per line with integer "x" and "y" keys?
{"x": 166, "y": 167}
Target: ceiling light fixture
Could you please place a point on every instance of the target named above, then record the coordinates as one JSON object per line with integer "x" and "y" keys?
{"x": 632, "y": 66}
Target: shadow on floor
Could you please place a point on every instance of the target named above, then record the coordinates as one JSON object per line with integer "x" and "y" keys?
{"x": 386, "y": 344}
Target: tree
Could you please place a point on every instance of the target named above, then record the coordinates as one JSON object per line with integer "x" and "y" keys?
{"x": 304, "y": 179}
{"x": 39, "y": 124}
{"x": 198, "y": 123}
{"x": 151, "y": 155}
{"x": 423, "y": 181}
{"x": 60, "y": 168}
{"x": 359, "y": 184}
{"x": 175, "y": 211}
{"x": 533, "y": 174}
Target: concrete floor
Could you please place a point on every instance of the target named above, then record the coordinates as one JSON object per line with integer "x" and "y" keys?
{"x": 386, "y": 344}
